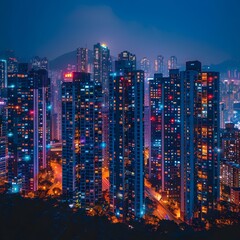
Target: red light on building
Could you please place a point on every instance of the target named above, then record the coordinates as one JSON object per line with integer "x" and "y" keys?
{"x": 153, "y": 119}
{"x": 210, "y": 96}
{"x": 210, "y": 79}
{"x": 170, "y": 97}
{"x": 31, "y": 112}
{"x": 172, "y": 120}
{"x": 122, "y": 78}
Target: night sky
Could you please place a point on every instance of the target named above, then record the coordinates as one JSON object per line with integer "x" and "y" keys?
{"x": 208, "y": 30}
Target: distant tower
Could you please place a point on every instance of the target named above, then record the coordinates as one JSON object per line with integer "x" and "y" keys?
{"x": 172, "y": 63}
{"x": 159, "y": 64}
{"x": 145, "y": 66}
{"x": 39, "y": 63}
{"x": 82, "y": 60}
{"x": 126, "y": 62}
{"x": 3, "y": 78}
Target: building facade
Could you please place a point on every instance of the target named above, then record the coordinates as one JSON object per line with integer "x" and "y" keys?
{"x": 126, "y": 145}
{"x": 82, "y": 140}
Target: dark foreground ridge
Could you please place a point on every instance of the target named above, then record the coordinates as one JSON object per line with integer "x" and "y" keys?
{"x": 22, "y": 218}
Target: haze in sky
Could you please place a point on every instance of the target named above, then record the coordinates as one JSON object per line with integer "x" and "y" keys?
{"x": 207, "y": 30}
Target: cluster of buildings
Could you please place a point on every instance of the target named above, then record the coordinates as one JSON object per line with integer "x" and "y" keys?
{"x": 107, "y": 116}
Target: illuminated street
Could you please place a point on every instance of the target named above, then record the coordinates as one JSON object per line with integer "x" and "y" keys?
{"x": 57, "y": 172}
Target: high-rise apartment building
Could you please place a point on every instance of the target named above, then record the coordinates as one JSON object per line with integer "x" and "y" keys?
{"x": 82, "y": 140}
{"x": 28, "y": 126}
{"x": 3, "y": 142}
{"x": 156, "y": 108}
{"x": 185, "y": 138}
{"x": 199, "y": 142}
{"x": 3, "y": 78}
{"x": 230, "y": 156}
{"x": 126, "y": 145}
{"x": 102, "y": 69}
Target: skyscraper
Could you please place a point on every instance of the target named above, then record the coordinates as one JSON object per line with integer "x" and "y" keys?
{"x": 126, "y": 145}
{"x": 39, "y": 63}
{"x": 126, "y": 62}
{"x": 188, "y": 138}
{"x": 145, "y": 66}
{"x": 159, "y": 64}
{"x": 230, "y": 157}
{"x": 82, "y": 60}
{"x": 171, "y": 130}
{"x": 3, "y": 78}
{"x": 199, "y": 141}
{"x": 156, "y": 108}
{"x": 56, "y": 105}
{"x": 28, "y": 126}
{"x": 82, "y": 140}
{"x": 102, "y": 68}
{"x": 3, "y": 142}
{"x": 172, "y": 63}
{"x": 185, "y": 138}
{"x": 207, "y": 142}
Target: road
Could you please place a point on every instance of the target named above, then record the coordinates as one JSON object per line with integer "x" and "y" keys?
{"x": 57, "y": 172}
{"x": 162, "y": 212}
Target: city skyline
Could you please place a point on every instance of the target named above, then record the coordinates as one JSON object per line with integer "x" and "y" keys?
{"x": 145, "y": 29}
{"x": 128, "y": 111}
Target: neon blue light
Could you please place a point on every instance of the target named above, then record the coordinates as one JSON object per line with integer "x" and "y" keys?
{"x": 15, "y": 188}
{"x": 10, "y": 134}
{"x": 27, "y": 158}
{"x": 103, "y": 145}
{"x": 49, "y": 107}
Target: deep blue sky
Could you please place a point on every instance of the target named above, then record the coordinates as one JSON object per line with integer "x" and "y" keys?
{"x": 208, "y": 30}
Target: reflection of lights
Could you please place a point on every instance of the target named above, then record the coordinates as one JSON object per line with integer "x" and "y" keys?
{"x": 10, "y": 134}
